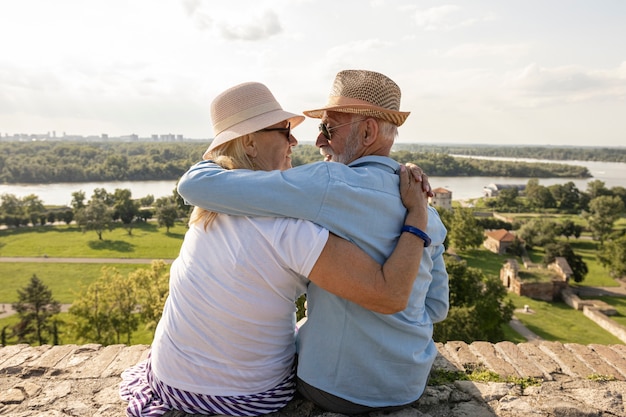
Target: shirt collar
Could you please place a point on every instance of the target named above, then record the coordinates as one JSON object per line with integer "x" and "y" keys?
{"x": 381, "y": 162}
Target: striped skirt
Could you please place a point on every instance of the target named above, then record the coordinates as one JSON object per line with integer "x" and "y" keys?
{"x": 149, "y": 397}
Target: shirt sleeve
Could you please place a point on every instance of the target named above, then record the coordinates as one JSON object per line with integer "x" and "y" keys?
{"x": 297, "y": 192}
{"x": 437, "y": 301}
{"x": 300, "y": 244}
{"x": 437, "y": 297}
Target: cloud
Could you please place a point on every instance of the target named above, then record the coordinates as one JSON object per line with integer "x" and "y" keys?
{"x": 477, "y": 50}
{"x": 231, "y": 26}
{"x": 191, "y": 6}
{"x": 541, "y": 85}
{"x": 447, "y": 17}
{"x": 259, "y": 28}
{"x": 435, "y": 18}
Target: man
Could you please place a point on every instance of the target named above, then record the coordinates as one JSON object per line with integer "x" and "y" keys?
{"x": 350, "y": 360}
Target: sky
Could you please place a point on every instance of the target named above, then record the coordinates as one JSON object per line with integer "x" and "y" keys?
{"x": 514, "y": 72}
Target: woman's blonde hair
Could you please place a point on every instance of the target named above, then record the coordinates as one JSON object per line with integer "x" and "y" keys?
{"x": 230, "y": 155}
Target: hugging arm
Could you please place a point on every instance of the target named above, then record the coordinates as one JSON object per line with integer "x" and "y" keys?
{"x": 254, "y": 193}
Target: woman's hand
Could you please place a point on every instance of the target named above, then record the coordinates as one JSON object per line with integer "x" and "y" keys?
{"x": 414, "y": 198}
{"x": 418, "y": 173}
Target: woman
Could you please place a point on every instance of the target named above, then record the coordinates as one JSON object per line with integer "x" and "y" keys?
{"x": 226, "y": 341}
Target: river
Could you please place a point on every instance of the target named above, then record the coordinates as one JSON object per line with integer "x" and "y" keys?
{"x": 462, "y": 188}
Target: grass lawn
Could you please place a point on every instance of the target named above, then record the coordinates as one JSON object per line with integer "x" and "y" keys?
{"x": 147, "y": 241}
{"x": 598, "y": 276}
{"x": 557, "y": 321}
{"x": 490, "y": 263}
{"x": 63, "y": 279}
{"x": 511, "y": 335}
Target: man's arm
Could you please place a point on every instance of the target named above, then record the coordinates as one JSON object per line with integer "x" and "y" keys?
{"x": 297, "y": 192}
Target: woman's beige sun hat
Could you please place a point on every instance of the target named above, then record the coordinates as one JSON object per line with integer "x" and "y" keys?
{"x": 364, "y": 92}
{"x": 244, "y": 109}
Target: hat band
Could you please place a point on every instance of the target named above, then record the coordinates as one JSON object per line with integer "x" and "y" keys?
{"x": 244, "y": 115}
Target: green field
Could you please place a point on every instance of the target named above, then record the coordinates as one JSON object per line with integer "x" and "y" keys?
{"x": 146, "y": 241}
{"x": 552, "y": 321}
{"x": 557, "y": 321}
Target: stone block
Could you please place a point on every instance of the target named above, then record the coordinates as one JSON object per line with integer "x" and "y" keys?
{"x": 591, "y": 358}
{"x": 569, "y": 363}
{"x": 490, "y": 358}
{"x": 462, "y": 354}
{"x": 524, "y": 366}
{"x": 540, "y": 359}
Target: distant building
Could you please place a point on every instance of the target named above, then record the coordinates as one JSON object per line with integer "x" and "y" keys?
{"x": 492, "y": 190}
{"x": 498, "y": 241}
{"x": 534, "y": 282}
{"x": 442, "y": 198}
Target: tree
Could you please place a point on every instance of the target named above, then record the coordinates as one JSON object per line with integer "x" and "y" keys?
{"x": 104, "y": 311}
{"x": 13, "y": 210}
{"x": 123, "y": 303}
{"x": 463, "y": 229}
{"x": 603, "y": 212}
{"x": 78, "y": 200}
{"x": 619, "y": 192}
{"x": 566, "y": 196}
{"x": 35, "y": 308}
{"x": 102, "y": 195}
{"x": 569, "y": 228}
{"x": 538, "y": 196}
{"x": 166, "y": 212}
{"x": 478, "y": 307}
{"x": 538, "y": 232}
{"x": 51, "y": 217}
{"x": 576, "y": 262}
{"x": 67, "y": 216}
{"x": 95, "y": 216}
{"x": 125, "y": 208}
{"x": 33, "y": 207}
{"x": 184, "y": 209}
{"x": 507, "y": 198}
{"x": 597, "y": 188}
{"x": 151, "y": 287}
{"x": 147, "y": 201}
{"x": 612, "y": 255}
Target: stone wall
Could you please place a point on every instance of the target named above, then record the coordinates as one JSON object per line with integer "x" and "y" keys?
{"x": 605, "y": 322}
{"x": 575, "y": 380}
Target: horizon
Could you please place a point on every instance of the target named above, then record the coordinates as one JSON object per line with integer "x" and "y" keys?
{"x": 30, "y": 137}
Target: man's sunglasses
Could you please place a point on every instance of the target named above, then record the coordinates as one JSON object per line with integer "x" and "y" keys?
{"x": 326, "y": 131}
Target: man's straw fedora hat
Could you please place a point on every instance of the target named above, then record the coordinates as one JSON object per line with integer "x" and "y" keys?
{"x": 364, "y": 92}
{"x": 244, "y": 109}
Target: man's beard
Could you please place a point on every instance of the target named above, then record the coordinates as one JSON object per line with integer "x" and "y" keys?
{"x": 350, "y": 150}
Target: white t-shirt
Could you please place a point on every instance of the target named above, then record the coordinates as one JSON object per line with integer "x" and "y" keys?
{"x": 228, "y": 326}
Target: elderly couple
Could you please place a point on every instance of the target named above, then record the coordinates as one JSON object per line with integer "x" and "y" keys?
{"x": 355, "y": 233}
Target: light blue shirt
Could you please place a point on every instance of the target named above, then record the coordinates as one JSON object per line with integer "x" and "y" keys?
{"x": 365, "y": 357}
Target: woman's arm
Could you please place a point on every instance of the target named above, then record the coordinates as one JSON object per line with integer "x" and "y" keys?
{"x": 348, "y": 272}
